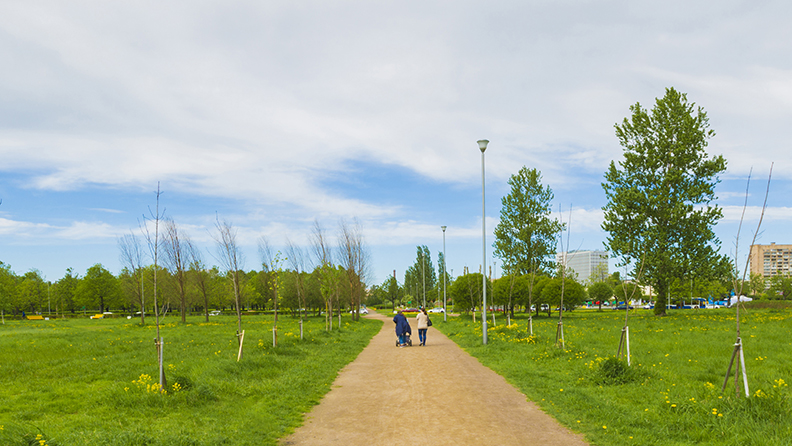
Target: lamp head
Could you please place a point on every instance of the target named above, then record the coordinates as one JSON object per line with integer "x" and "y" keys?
{"x": 483, "y": 144}
{"x": 443, "y": 228}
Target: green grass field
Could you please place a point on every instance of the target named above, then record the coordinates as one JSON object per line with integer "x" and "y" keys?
{"x": 80, "y": 381}
{"x": 673, "y": 391}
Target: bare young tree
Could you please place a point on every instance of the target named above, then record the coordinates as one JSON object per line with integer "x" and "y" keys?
{"x": 738, "y": 346}
{"x": 296, "y": 258}
{"x": 176, "y": 246}
{"x": 153, "y": 243}
{"x": 232, "y": 261}
{"x": 324, "y": 260}
{"x": 200, "y": 275}
{"x": 271, "y": 262}
{"x": 131, "y": 256}
{"x": 354, "y": 259}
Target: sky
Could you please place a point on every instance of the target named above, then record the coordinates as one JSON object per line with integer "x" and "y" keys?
{"x": 276, "y": 115}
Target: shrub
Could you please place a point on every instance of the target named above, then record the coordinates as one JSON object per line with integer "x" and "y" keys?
{"x": 614, "y": 370}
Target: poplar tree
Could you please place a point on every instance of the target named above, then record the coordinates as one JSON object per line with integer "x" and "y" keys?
{"x": 660, "y": 195}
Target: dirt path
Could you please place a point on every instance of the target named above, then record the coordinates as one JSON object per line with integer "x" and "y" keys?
{"x": 433, "y": 395}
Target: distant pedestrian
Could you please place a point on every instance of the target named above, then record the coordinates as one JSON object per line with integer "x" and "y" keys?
{"x": 423, "y": 325}
{"x": 402, "y": 328}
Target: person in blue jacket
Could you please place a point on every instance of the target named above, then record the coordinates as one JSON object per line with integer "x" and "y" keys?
{"x": 402, "y": 327}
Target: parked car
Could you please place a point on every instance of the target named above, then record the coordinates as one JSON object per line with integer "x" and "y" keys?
{"x": 437, "y": 310}
{"x": 214, "y": 313}
{"x": 360, "y": 311}
{"x": 622, "y": 307}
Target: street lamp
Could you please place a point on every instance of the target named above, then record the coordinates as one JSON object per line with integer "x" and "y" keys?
{"x": 423, "y": 277}
{"x": 445, "y": 310}
{"x": 482, "y": 143}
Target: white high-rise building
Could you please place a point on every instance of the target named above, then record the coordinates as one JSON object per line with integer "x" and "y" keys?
{"x": 585, "y": 263}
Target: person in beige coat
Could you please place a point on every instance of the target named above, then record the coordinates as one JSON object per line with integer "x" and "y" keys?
{"x": 423, "y": 325}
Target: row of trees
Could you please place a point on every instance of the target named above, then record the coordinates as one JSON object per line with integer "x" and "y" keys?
{"x": 99, "y": 290}
{"x": 187, "y": 286}
{"x": 659, "y": 216}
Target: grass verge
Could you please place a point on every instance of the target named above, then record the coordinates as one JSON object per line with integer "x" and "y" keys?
{"x": 671, "y": 395}
{"x": 81, "y": 381}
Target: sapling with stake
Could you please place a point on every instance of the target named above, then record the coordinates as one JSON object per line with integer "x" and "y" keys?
{"x": 738, "y": 346}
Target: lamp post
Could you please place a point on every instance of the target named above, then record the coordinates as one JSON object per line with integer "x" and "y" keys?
{"x": 482, "y": 143}
{"x": 445, "y": 310}
{"x": 423, "y": 277}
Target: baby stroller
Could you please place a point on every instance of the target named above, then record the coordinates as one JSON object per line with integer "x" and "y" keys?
{"x": 407, "y": 340}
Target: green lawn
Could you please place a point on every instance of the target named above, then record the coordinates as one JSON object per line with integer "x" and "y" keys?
{"x": 678, "y": 367}
{"x": 80, "y": 381}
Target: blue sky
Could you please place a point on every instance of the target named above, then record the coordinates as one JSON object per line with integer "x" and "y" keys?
{"x": 273, "y": 115}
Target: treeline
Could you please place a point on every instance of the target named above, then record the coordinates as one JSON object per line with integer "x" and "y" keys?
{"x": 99, "y": 290}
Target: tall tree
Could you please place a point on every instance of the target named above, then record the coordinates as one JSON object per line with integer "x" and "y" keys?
{"x": 660, "y": 194}
{"x": 65, "y": 290}
{"x": 7, "y": 289}
{"x": 525, "y": 238}
{"x": 232, "y": 261}
{"x": 98, "y": 289}
{"x": 420, "y": 278}
{"x": 393, "y": 292}
{"x": 600, "y": 292}
{"x": 31, "y": 291}
{"x": 467, "y": 293}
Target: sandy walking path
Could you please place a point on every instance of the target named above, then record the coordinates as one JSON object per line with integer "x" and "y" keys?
{"x": 432, "y": 395}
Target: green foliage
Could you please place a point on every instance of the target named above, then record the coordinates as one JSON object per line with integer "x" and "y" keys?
{"x": 757, "y": 283}
{"x": 600, "y": 292}
{"x": 7, "y": 287}
{"x": 98, "y": 290}
{"x": 780, "y": 288}
{"x": 614, "y": 371}
{"x": 627, "y": 291}
{"x": 660, "y": 213}
{"x": 573, "y": 293}
{"x": 466, "y": 291}
{"x": 525, "y": 238}
{"x": 421, "y": 275}
{"x": 32, "y": 292}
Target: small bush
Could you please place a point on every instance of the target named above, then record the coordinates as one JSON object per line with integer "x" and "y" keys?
{"x": 614, "y": 371}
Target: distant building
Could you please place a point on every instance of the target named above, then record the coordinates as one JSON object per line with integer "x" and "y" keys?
{"x": 585, "y": 263}
{"x": 771, "y": 260}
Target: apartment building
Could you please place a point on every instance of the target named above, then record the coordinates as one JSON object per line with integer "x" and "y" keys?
{"x": 771, "y": 260}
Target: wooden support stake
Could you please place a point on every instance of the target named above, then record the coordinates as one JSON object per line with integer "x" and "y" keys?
{"x": 744, "y": 374}
{"x": 624, "y": 344}
{"x": 241, "y": 337}
{"x": 301, "y": 329}
{"x": 160, "y": 346}
{"x": 560, "y": 334}
{"x": 738, "y": 350}
{"x": 627, "y": 331}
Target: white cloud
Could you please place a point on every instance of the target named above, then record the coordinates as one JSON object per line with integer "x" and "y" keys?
{"x": 753, "y": 213}
{"x": 29, "y": 232}
{"x": 266, "y": 104}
